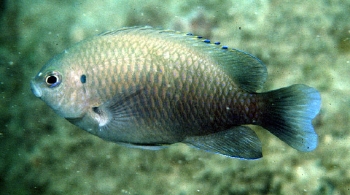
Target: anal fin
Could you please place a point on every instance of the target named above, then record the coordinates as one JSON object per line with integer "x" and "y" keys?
{"x": 143, "y": 146}
{"x": 237, "y": 142}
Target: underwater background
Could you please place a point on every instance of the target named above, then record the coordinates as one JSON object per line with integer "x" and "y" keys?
{"x": 299, "y": 41}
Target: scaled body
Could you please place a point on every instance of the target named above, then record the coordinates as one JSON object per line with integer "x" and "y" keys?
{"x": 147, "y": 87}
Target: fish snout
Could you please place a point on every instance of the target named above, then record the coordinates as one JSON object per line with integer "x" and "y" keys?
{"x": 35, "y": 89}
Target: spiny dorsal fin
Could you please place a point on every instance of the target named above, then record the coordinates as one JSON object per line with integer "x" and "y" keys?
{"x": 247, "y": 71}
{"x": 125, "y": 30}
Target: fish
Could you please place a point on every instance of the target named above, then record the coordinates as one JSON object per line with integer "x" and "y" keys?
{"x": 149, "y": 88}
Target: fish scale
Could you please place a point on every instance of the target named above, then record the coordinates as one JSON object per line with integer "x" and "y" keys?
{"x": 148, "y": 88}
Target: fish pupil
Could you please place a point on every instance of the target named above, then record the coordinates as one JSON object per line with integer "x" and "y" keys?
{"x": 51, "y": 80}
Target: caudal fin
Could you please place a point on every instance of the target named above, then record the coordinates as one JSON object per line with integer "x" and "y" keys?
{"x": 288, "y": 115}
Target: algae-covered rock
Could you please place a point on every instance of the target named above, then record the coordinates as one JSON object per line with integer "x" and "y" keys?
{"x": 300, "y": 42}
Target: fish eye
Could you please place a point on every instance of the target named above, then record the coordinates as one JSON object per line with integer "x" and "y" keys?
{"x": 53, "y": 79}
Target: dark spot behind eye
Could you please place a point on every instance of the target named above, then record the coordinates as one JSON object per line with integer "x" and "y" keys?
{"x": 83, "y": 78}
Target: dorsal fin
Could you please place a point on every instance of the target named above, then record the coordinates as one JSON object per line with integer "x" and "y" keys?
{"x": 125, "y": 30}
{"x": 247, "y": 71}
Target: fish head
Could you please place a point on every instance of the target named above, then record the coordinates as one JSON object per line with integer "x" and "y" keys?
{"x": 59, "y": 84}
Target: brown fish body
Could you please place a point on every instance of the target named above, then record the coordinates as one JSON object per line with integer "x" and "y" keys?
{"x": 146, "y": 87}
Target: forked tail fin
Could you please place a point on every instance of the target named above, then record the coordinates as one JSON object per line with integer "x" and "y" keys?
{"x": 288, "y": 114}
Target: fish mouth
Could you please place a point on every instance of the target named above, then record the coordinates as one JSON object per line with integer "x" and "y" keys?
{"x": 35, "y": 89}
